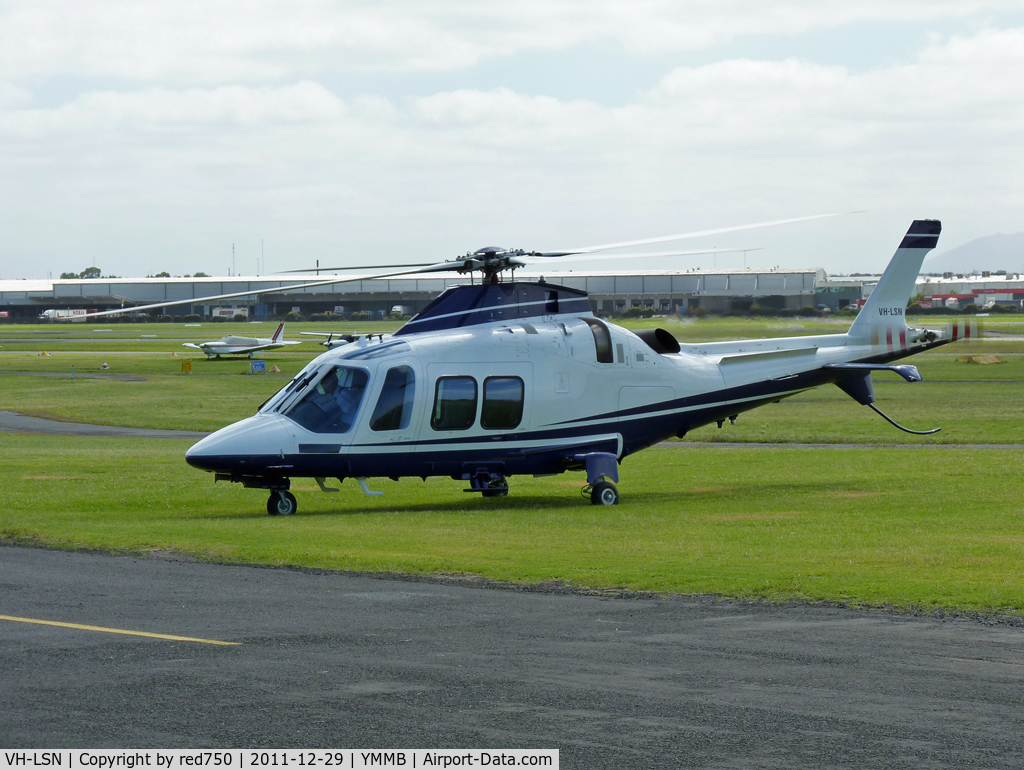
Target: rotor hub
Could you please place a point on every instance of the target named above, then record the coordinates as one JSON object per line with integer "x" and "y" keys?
{"x": 490, "y": 261}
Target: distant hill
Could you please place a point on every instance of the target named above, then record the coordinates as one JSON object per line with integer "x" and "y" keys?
{"x": 993, "y": 252}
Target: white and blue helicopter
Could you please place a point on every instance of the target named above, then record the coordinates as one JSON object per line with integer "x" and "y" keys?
{"x": 502, "y": 378}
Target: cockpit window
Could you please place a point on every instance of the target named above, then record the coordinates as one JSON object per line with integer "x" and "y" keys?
{"x": 296, "y": 384}
{"x": 331, "y": 405}
{"x": 394, "y": 406}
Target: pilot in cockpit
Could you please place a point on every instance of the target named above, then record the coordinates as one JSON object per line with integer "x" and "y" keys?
{"x": 331, "y": 405}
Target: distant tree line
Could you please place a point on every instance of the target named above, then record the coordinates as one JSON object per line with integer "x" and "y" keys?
{"x": 89, "y": 272}
{"x": 95, "y": 272}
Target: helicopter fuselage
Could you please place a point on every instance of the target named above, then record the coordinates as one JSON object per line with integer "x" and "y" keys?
{"x": 500, "y": 379}
{"x": 512, "y": 397}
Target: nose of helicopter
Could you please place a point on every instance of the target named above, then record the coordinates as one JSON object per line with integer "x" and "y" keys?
{"x": 249, "y": 445}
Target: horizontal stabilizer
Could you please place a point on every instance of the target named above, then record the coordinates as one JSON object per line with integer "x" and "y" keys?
{"x": 906, "y": 371}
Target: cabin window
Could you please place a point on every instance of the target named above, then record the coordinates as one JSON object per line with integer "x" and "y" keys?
{"x": 331, "y": 405}
{"x": 454, "y": 404}
{"x": 602, "y": 339}
{"x": 503, "y": 403}
{"x": 394, "y": 406}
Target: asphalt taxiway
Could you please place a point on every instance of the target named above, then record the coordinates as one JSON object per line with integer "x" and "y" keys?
{"x": 333, "y": 660}
{"x": 13, "y": 422}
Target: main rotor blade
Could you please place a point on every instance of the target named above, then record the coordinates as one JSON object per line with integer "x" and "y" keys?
{"x": 434, "y": 267}
{"x": 697, "y": 234}
{"x": 354, "y": 267}
{"x": 460, "y": 264}
{"x": 536, "y": 259}
{"x": 277, "y": 289}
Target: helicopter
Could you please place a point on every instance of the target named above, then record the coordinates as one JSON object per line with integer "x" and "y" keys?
{"x": 502, "y": 378}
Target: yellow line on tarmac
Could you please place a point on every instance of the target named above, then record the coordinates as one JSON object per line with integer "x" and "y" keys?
{"x": 81, "y": 627}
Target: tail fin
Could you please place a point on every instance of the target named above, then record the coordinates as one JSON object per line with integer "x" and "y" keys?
{"x": 884, "y": 311}
{"x": 279, "y": 333}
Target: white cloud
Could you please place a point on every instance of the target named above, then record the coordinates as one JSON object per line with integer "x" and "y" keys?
{"x": 13, "y": 96}
{"x": 765, "y": 107}
{"x": 245, "y": 140}
{"x": 161, "y": 107}
{"x": 225, "y": 41}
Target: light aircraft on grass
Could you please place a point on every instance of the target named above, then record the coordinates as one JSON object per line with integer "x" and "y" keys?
{"x": 497, "y": 379}
{"x": 235, "y": 345}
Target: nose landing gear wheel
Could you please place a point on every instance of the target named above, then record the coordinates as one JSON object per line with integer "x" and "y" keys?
{"x": 281, "y": 503}
{"x": 604, "y": 493}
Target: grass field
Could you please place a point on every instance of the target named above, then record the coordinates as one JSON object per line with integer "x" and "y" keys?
{"x": 903, "y": 527}
{"x": 161, "y": 396}
{"x": 908, "y": 526}
{"x": 155, "y": 338}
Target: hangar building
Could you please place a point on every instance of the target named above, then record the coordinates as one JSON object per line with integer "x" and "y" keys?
{"x": 610, "y": 291}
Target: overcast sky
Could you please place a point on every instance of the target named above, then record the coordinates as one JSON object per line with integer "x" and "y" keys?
{"x": 149, "y": 136}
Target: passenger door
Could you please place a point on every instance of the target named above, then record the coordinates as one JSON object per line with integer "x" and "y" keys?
{"x": 395, "y": 406}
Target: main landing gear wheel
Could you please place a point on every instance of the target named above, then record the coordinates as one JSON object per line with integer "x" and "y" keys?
{"x": 281, "y": 503}
{"x": 604, "y": 493}
{"x": 496, "y": 491}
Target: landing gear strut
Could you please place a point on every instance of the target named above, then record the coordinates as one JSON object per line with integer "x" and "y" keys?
{"x": 487, "y": 482}
{"x": 602, "y": 473}
{"x": 281, "y": 503}
{"x": 497, "y": 488}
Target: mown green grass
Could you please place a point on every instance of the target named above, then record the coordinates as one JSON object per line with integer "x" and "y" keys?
{"x": 142, "y": 363}
{"x": 208, "y": 399}
{"x": 165, "y": 338}
{"x": 972, "y": 403}
{"x": 903, "y": 527}
{"x": 165, "y": 347}
{"x": 153, "y": 337}
{"x": 205, "y": 331}
{"x": 969, "y": 413}
{"x": 169, "y": 402}
{"x": 157, "y": 395}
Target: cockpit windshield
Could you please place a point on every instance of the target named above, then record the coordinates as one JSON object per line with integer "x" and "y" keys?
{"x": 332, "y": 404}
{"x": 295, "y": 385}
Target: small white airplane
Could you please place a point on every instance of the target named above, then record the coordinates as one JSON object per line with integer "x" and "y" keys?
{"x": 497, "y": 379}
{"x": 234, "y": 345}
